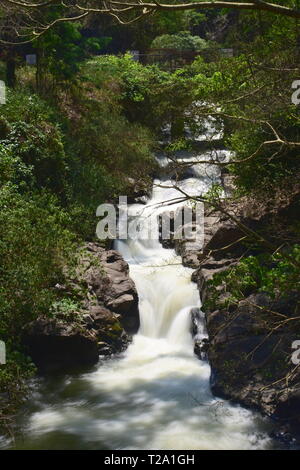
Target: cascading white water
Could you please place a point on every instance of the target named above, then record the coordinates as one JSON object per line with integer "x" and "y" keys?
{"x": 157, "y": 396}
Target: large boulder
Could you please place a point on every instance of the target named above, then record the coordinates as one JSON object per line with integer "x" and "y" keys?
{"x": 106, "y": 312}
{"x": 251, "y": 357}
{"x": 54, "y": 344}
{"x": 59, "y": 344}
{"x": 106, "y": 277}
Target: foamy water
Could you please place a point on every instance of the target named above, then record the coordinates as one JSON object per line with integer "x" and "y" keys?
{"x": 157, "y": 395}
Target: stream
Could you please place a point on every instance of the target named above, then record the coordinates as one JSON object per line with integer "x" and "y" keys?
{"x": 157, "y": 394}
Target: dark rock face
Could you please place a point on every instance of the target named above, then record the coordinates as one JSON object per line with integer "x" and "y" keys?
{"x": 250, "y": 355}
{"x": 251, "y": 364}
{"x": 56, "y": 345}
{"x": 108, "y": 313}
{"x": 207, "y": 270}
{"x": 188, "y": 249}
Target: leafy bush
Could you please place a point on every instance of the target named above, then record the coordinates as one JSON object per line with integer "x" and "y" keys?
{"x": 146, "y": 94}
{"x": 36, "y": 142}
{"x": 63, "y": 47}
{"x": 34, "y": 245}
{"x": 274, "y": 275}
{"x": 182, "y": 41}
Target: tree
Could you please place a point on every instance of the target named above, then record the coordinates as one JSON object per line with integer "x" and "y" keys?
{"x": 34, "y": 24}
{"x": 181, "y": 41}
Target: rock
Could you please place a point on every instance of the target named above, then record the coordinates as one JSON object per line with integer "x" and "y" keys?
{"x": 284, "y": 435}
{"x": 207, "y": 270}
{"x": 190, "y": 259}
{"x": 189, "y": 252}
{"x": 138, "y": 192}
{"x": 249, "y": 364}
{"x": 250, "y": 357}
{"x": 288, "y": 408}
{"x": 196, "y": 320}
{"x": 88, "y": 320}
{"x": 120, "y": 294}
{"x": 108, "y": 306}
{"x": 166, "y": 229}
{"x": 55, "y": 345}
{"x": 223, "y": 233}
{"x": 106, "y": 276}
{"x": 121, "y": 304}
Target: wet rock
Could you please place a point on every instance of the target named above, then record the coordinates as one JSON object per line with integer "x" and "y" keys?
{"x": 201, "y": 348}
{"x": 190, "y": 259}
{"x": 56, "y": 345}
{"x": 166, "y": 229}
{"x": 104, "y": 350}
{"x": 284, "y": 436}
{"x": 138, "y": 192}
{"x": 196, "y": 320}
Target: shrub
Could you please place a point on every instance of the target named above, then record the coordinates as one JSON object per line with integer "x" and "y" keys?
{"x": 182, "y": 41}
{"x": 272, "y": 274}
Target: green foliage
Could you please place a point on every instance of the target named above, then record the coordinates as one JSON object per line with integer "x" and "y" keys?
{"x": 66, "y": 309}
{"x": 34, "y": 245}
{"x": 254, "y": 102}
{"x": 215, "y": 193}
{"x": 182, "y": 41}
{"x": 42, "y": 151}
{"x": 107, "y": 151}
{"x": 13, "y": 374}
{"x": 147, "y": 94}
{"x": 35, "y": 145}
{"x": 274, "y": 275}
{"x": 61, "y": 49}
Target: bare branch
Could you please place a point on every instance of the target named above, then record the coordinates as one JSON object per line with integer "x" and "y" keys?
{"x": 130, "y": 11}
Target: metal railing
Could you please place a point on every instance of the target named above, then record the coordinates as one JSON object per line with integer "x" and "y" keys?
{"x": 173, "y": 59}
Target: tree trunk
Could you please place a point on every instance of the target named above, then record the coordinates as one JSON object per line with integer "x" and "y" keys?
{"x": 11, "y": 72}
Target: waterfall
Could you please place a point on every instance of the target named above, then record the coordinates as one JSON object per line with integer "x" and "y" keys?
{"x": 157, "y": 396}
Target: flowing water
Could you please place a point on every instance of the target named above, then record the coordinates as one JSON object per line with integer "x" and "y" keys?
{"x": 157, "y": 394}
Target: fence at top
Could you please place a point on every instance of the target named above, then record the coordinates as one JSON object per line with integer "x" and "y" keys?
{"x": 173, "y": 59}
